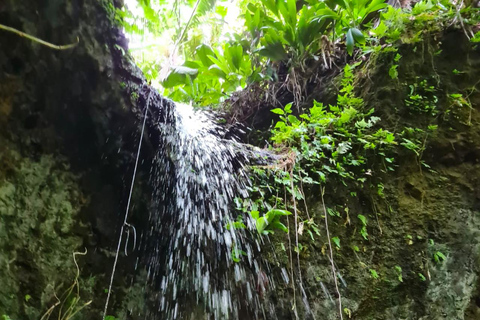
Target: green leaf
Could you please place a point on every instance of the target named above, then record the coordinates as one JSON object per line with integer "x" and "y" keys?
{"x": 288, "y": 11}
{"x": 363, "y": 219}
{"x": 221, "y": 63}
{"x": 439, "y": 256}
{"x": 392, "y": 72}
{"x": 277, "y": 111}
{"x": 191, "y": 65}
{"x": 336, "y": 240}
{"x": 271, "y": 5}
{"x": 292, "y": 10}
{"x": 237, "y": 225}
{"x": 178, "y": 76}
{"x": 332, "y": 212}
{"x": 327, "y": 13}
{"x": 234, "y": 55}
{"x": 236, "y": 254}
{"x": 293, "y": 119}
{"x": 380, "y": 30}
{"x": 358, "y": 35}
{"x": 222, "y": 11}
{"x": 203, "y": 51}
{"x": 255, "y": 214}
{"x": 374, "y": 273}
{"x": 204, "y": 6}
{"x": 278, "y": 225}
{"x": 375, "y": 5}
{"x": 215, "y": 71}
{"x": 350, "y": 42}
{"x": 273, "y": 51}
{"x": 341, "y": 3}
{"x": 272, "y": 214}
{"x": 288, "y": 108}
{"x": 476, "y": 38}
{"x": 261, "y": 224}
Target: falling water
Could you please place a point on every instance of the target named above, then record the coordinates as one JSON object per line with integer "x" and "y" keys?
{"x": 196, "y": 175}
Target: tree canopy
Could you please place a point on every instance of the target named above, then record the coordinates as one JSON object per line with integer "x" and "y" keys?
{"x": 203, "y": 51}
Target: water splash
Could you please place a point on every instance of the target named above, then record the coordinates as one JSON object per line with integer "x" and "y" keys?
{"x": 197, "y": 173}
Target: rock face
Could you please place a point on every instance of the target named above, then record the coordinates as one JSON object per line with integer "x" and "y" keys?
{"x": 68, "y": 129}
{"x": 39, "y": 203}
{"x": 420, "y": 259}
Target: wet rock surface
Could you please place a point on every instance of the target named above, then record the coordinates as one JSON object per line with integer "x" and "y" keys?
{"x": 69, "y": 124}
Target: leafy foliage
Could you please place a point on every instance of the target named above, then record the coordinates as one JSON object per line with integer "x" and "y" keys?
{"x": 351, "y": 16}
{"x": 206, "y": 65}
{"x": 283, "y": 31}
{"x": 213, "y": 75}
{"x": 333, "y": 139}
{"x": 270, "y": 221}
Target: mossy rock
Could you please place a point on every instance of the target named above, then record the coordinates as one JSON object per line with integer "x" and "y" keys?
{"x": 39, "y": 200}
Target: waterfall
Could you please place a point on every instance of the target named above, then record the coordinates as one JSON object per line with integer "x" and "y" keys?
{"x": 196, "y": 175}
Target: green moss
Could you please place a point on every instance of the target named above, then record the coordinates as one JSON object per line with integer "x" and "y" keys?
{"x": 39, "y": 200}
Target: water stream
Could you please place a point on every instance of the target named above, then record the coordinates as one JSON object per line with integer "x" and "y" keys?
{"x": 196, "y": 175}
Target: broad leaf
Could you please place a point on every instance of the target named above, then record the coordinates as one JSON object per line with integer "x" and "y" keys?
{"x": 261, "y": 224}
{"x": 203, "y": 51}
{"x": 178, "y": 76}
{"x": 272, "y": 214}
{"x": 220, "y": 63}
{"x": 288, "y": 108}
{"x": 271, "y": 5}
{"x": 278, "y": 225}
{"x": 235, "y": 54}
{"x": 350, "y": 42}
{"x": 215, "y": 71}
{"x": 293, "y": 120}
{"x": 358, "y": 36}
{"x": 327, "y": 13}
{"x": 273, "y": 51}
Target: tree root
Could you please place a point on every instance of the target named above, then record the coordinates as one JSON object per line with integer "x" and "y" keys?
{"x": 35, "y": 39}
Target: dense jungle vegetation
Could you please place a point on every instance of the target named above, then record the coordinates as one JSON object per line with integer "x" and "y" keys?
{"x": 200, "y": 52}
{"x": 369, "y": 109}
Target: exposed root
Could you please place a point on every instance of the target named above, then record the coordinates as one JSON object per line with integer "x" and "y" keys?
{"x": 375, "y": 210}
{"x": 69, "y": 299}
{"x": 303, "y": 195}
{"x": 300, "y": 278}
{"x": 293, "y": 85}
{"x": 38, "y": 40}
{"x": 334, "y": 271}
{"x": 294, "y": 307}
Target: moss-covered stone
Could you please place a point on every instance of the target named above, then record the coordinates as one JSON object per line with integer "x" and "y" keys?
{"x": 67, "y": 133}
{"x": 39, "y": 203}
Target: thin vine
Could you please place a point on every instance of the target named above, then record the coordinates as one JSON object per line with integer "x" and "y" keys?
{"x": 38, "y": 40}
